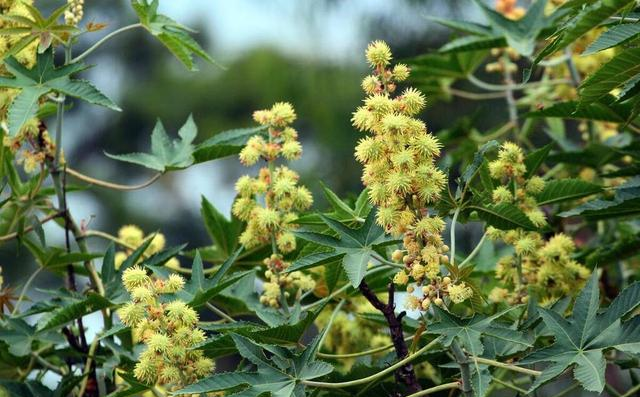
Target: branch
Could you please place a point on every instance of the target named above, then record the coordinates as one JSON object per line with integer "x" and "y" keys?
{"x": 103, "y": 40}
{"x": 110, "y": 185}
{"x": 44, "y": 220}
{"x": 404, "y": 374}
{"x": 375, "y": 376}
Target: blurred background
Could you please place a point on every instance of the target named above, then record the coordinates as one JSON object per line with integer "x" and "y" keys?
{"x": 310, "y": 53}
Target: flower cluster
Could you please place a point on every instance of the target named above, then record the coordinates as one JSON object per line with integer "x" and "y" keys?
{"x": 269, "y": 202}
{"x": 545, "y": 266}
{"x": 167, "y": 328}
{"x": 399, "y": 168}
{"x": 278, "y": 283}
{"x": 133, "y": 237}
{"x": 74, "y": 13}
{"x": 510, "y": 9}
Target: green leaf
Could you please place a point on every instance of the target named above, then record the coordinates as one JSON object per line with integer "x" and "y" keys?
{"x": 623, "y": 67}
{"x": 279, "y": 375}
{"x": 521, "y": 34}
{"x": 357, "y": 246}
{"x": 225, "y": 144}
{"x": 566, "y": 189}
{"x": 72, "y": 311}
{"x": 626, "y": 202}
{"x": 590, "y": 16}
{"x": 504, "y": 216}
{"x": 471, "y": 170}
{"x": 199, "y": 290}
{"x": 581, "y": 339}
{"x": 462, "y": 26}
{"x": 597, "y": 111}
{"x": 534, "y": 160}
{"x": 340, "y": 208}
{"x": 455, "y": 65}
{"x": 42, "y": 79}
{"x": 166, "y": 155}
{"x": 175, "y": 37}
{"x": 223, "y": 232}
{"x": 614, "y": 36}
{"x": 20, "y": 336}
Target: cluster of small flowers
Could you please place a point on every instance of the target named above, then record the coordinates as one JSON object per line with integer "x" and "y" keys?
{"x": 74, "y": 13}
{"x": 278, "y": 185}
{"x": 435, "y": 293}
{"x": 399, "y": 166}
{"x": 502, "y": 64}
{"x": 169, "y": 331}
{"x": 548, "y": 269}
{"x": 134, "y": 237}
{"x": 510, "y": 9}
{"x": 277, "y": 282}
{"x": 546, "y": 265}
{"x": 510, "y": 169}
{"x": 269, "y": 202}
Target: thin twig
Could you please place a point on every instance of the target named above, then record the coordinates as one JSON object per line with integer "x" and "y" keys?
{"x": 474, "y": 252}
{"x": 27, "y": 229}
{"x": 103, "y": 40}
{"x": 111, "y": 185}
{"x": 220, "y": 313}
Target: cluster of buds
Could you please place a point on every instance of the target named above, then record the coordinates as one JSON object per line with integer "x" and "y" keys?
{"x": 283, "y": 197}
{"x": 167, "y": 328}
{"x": 547, "y": 268}
{"x": 133, "y": 237}
{"x": 399, "y": 166}
{"x": 436, "y": 291}
{"x": 270, "y": 202}
{"x": 544, "y": 265}
{"x": 510, "y": 9}
{"x": 74, "y": 13}
{"x": 509, "y": 168}
{"x": 278, "y": 283}
{"x": 505, "y": 61}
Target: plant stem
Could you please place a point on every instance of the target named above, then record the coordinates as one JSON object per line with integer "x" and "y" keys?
{"x": 511, "y": 101}
{"x": 103, "y": 40}
{"x": 474, "y": 252}
{"x": 510, "y": 367}
{"x": 465, "y": 370}
{"x": 327, "y": 327}
{"x": 405, "y": 374}
{"x": 375, "y": 376}
{"x": 25, "y": 288}
{"x": 89, "y": 365}
{"x": 513, "y": 87}
{"x": 110, "y": 185}
{"x": 452, "y": 231}
{"x": 220, "y": 313}
{"x": 474, "y": 96}
{"x": 27, "y": 229}
{"x": 631, "y": 391}
{"x": 444, "y": 386}
{"x": 510, "y": 386}
{"x": 362, "y": 353}
{"x": 386, "y": 262}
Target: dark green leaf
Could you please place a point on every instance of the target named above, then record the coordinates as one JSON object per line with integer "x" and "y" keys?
{"x": 566, "y": 189}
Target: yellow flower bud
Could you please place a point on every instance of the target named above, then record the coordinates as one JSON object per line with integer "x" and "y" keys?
{"x": 378, "y": 54}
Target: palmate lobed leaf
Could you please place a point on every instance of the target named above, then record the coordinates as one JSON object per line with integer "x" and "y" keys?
{"x": 581, "y": 339}
{"x": 42, "y": 79}
{"x": 354, "y": 245}
{"x": 279, "y": 375}
{"x": 174, "y": 36}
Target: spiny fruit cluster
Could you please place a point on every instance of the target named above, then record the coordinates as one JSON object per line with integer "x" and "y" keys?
{"x": 168, "y": 329}
{"x": 545, "y": 267}
{"x": 134, "y": 237}
{"x": 269, "y": 202}
{"x": 278, "y": 283}
{"x": 400, "y": 170}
